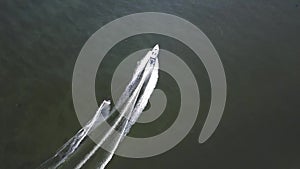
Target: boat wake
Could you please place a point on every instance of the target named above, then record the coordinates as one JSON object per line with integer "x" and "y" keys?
{"x": 130, "y": 106}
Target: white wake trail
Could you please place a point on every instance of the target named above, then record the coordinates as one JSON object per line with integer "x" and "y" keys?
{"x": 100, "y": 116}
{"x": 72, "y": 145}
{"x": 131, "y": 103}
{"x": 129, "y": 107}
{"x": 115, "y": 146}
{"x": 146, "y": 95}
{"x": 134, "y": 115}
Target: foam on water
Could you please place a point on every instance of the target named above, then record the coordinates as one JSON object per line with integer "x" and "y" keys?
{"x": 131, "y": 104}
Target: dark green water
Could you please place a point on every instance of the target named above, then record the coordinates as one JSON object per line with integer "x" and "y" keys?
{"x": 258, "y": 43}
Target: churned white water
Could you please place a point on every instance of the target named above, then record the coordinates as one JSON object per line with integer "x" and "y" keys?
{"x": 130, "y": 104}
